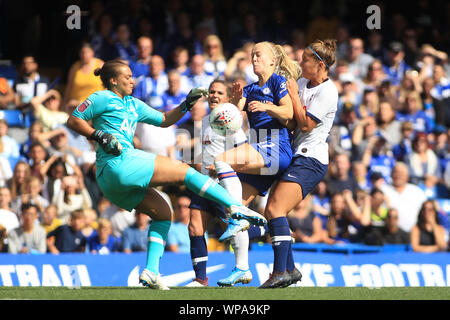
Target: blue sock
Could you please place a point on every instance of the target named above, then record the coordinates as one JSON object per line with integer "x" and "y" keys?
{"x": 204, "y": 186}
{"x": 157, "y": 237}
{"x": 199, "y": 256}
{"x": 281, "y": 239}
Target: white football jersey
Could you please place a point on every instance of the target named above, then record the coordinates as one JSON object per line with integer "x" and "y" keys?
{"x": 214, "y": 144}
{"x": 320, "y": 103}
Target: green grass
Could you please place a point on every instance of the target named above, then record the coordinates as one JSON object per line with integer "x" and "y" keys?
{"x": 237, "y": 293}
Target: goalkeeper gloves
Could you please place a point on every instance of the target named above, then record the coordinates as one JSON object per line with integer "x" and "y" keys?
{"x": 192, "y": 98}
{"x": 108, "y": 142}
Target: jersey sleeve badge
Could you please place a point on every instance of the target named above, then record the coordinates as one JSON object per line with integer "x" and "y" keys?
{"x": 83, "y": 106}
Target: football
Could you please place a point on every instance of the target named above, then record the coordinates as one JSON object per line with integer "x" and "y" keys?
{"x": 225, "y": 119}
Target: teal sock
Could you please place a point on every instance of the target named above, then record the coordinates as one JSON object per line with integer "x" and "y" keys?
{"x": 204, "y": 186}
{"x": 157, "y": 237}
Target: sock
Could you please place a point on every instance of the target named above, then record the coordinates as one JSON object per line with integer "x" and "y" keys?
{"x": 255, "y": 232}
{"x": 204, "y": 186}
{"x": 157, "y": 237}
{"x": 281, "y": 239}
{"x": 240, "y": 243}
{"x": 229, "y": 180}
{"x": 199, "y": 256}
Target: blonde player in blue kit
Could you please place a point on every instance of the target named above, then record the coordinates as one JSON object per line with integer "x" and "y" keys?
{"x": 127, "y": 175}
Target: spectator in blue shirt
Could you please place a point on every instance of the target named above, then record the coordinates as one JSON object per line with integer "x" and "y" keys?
{"x": 140, "y": 65}
{"x": 104, "y": 242}
{"x": 125, "y": 48}
{"x": 151, "y": 88}
{"x": 395, "y": 66}
{"x": 68, "y": 237}
{"x": 134, "y": 238}
{"x": 377, "y": 158}
{"x": 178, "y": 237}
{"x": 173, "y": 96}
{"x": 412, "y": 111}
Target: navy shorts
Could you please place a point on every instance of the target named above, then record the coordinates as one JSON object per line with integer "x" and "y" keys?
{"x": 305, "y": 171}
{"x": 276, "y": 159}
{"x": 207, "y": 205}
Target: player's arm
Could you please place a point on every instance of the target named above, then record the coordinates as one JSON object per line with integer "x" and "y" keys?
{"x": 166, "y": 119}
{"x": 303, "y": 121}
{"x": 282, "y": 112}
{"x": 78, "y": 122}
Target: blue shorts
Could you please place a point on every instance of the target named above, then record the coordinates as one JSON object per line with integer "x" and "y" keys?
{"x": 305, "y": 171}
{"x": 276, "y": 159}
{"x": 124, "y": 180}
{"x": 207, "y": 205}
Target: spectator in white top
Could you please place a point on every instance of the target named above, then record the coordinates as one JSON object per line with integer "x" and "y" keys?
{"x": 72, "y": 196}
{"x": 406, "y": 197}
{"x": 358, "y": 60}
{"x": 30, "y": 237}
{"x": 8, "y": 218}
{"x": 10, "y": 145}
{"x": 30, "y": 83}
{"x": 46, "y": 109}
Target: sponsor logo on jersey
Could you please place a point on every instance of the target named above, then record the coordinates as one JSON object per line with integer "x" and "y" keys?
{"x": 83, "y": 106}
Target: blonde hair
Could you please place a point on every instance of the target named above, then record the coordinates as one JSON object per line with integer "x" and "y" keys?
{"x": 104, "y": 223}
{"x": 285, "y": 66}
{"x": 213, "y": 37}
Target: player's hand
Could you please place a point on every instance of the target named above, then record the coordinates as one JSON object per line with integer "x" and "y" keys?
{"x": 192, "y": 98}
{"x": 257, "y": 106}
{"x": 237, "y": 93}
{"x": 108, "y": 142}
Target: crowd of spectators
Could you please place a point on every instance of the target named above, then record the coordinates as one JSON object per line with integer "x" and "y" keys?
{"x": 389, "y": 173}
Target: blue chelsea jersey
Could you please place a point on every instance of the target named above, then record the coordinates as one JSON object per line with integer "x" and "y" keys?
{"x": 109, "y": 113}
{"x": 271, "y": 92}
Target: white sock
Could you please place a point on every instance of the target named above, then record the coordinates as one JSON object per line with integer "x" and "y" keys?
{"x": 240, "y": 243}
{"x": 229, "y": 179}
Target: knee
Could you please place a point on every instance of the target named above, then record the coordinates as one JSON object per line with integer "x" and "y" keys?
{"x": 273, "y": 210}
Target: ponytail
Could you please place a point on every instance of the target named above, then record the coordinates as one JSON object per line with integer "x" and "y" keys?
{"x": 286, "y": 67}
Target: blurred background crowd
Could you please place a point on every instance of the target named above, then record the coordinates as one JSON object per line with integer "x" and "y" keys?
{"x": 389, "y": 174}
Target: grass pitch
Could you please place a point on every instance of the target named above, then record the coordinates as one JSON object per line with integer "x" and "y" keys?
{"x": 216, "y": 293}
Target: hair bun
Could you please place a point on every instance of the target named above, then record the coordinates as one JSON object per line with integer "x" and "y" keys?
{"x": 330, "y": 44}
{"x": 97, "y": 71}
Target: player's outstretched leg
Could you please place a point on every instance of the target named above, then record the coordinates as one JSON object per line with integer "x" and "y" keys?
{"x": 204, "y": 186}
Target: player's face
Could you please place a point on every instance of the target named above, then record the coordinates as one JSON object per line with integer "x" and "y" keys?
{"x": 217, "y": 95}
{"x": 310, "y": 66}
{"x": 124, "y": 81}
{"x": 262, "y": 59}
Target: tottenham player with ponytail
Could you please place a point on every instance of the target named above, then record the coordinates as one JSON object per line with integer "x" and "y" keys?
{"x": 314, "y": 98}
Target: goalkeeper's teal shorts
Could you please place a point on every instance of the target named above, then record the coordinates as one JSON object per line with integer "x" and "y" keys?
{"x": 124, "y": 179}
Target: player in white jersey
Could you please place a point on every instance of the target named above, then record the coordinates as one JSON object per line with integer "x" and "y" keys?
{"x": 314, "y": 98}
{"x": 202, "y": 210}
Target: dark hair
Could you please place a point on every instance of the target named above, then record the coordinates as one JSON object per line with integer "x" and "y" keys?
{"x": 226, "y": 84}
{"x": 326, "y": 49}
{"x": 27, "y": 205}
{"x": 109, "y": 71}
{"x": 421, "y": 218}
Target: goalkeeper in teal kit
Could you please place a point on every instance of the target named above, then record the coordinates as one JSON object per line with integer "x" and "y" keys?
{"x": 127, "y": 175}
